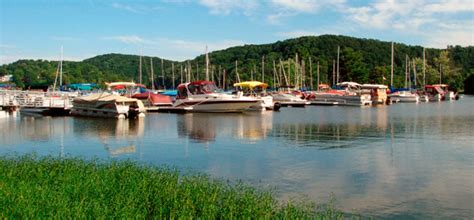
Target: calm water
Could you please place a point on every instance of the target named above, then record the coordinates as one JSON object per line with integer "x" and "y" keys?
{"x": 404, "y": 160}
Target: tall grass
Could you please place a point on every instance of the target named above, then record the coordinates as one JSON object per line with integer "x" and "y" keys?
{"x": 34, "y": 187}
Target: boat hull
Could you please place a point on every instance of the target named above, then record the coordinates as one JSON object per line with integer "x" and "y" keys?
{"x": 218, "y": 106}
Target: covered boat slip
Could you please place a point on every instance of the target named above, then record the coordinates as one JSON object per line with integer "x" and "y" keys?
{"x": 107, "y": 105}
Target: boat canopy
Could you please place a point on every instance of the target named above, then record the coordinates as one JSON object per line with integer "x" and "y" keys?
{"x": 105, "y": 97}
{"x": 121, "y": 85}
{"x": 251, "y": 84}
{"x": 352, "y": 84}
{"x": 374, "y": 86}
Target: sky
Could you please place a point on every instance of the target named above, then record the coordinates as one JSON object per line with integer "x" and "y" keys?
{"x": 181, "y": 29}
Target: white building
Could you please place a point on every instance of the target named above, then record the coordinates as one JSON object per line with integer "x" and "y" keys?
{"x": 6, "y": 78}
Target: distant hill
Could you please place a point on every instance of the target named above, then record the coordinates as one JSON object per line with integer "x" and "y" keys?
{"x": 361, "y": 60}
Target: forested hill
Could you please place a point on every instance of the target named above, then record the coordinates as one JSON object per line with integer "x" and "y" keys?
{"x": 361, "y": 60}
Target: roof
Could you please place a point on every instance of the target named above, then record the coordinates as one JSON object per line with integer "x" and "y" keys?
{"x": 251, "y": 84}
{"x": 105, "y": 97}
{"x": 374, "y": 86}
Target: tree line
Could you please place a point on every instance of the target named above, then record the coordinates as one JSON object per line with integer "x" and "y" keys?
{"x": 360, "y": 60}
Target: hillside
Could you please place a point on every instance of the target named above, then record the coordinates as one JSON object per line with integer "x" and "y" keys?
{"x": 361, "y": 60}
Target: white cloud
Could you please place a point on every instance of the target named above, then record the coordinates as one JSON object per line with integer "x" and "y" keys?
{"x": 175, "y": 49}
{"x": 276, "y": 19}
{"x": 297, "y": 33}
{"x": 450, "y": 6}
{"x": 445, "y": 33}
{"x": 417, "y": 18}
{"x": 225, "y": 7}
{"x": 64, "y": 38}
{"x": 125, "y": 7}
{"x": 297, "y": 5}
{"x": 129, "y": 39}
{"x": 138, "y": 9}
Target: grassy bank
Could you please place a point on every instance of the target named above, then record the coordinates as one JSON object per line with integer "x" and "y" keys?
{"x": 66, "y": 188}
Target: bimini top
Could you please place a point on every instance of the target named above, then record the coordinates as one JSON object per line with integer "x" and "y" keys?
{"x": 437, "y": 85}
{"x": 251, "y": 84}
{"x": 374, "y": 86}
{"x": 348, "y": 84}
{"x": 121, "y": 85}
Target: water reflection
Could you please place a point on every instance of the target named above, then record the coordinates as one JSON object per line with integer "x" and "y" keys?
{"x": 205, "y": 128}
{"x": 399, "y": 161}
{"x": 117, "y": 136}
{"x": 333, "y": 128}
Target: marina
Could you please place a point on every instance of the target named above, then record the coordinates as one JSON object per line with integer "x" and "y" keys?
{"x": 404, "y": 160}
{"x": 242, "y": 109}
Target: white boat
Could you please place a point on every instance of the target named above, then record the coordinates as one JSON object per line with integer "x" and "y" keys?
{"x": 378, "y": 92}
{"x": 204, "y": 96}
{"x": 404, "y": 96}
{"x": 349, "y": 93}
{"x": 288, "y": 99}
{"x": 439, "y": 92}
{"x": 107, "y": 105}
{"x": 256, "y": 89}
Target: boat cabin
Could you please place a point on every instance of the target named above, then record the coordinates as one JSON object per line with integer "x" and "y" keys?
{"x": 196, "y": 88}
{"x": 436, "y": 89}
{"x": 377, "y": 92}
{"x": 251, "y": 87}
{"x": 126, "y": 88}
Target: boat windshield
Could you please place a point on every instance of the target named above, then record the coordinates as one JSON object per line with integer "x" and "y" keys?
{"x": 204, "y": 88}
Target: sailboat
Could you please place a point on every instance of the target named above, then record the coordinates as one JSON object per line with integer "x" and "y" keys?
{"x": 403, "y": 95}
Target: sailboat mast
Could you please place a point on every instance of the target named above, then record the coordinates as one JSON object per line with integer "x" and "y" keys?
{"x": 207, "y": 65}
{"x": 237, "y": 72}
{"x": 162, "y": 74}
{"x": 311, "y": 73}
{"x": 318, "y": 77}
{"x": 333, "y": 72}
{"x": 263, "y": 69}
{"x": 406, "y": 71}
{"x": 61, "y": 69}
{"x": 274, "y": 74}
{"x": 181, "y": 73}
{"x": 391, "y": 69}
{"x": 152, "y": 74}
{"x": 414, "y": 74}
{"x": 172, "y": 74}
{"x": 337, "y": 71}
{"x": 296, "y": 70}
{"x": 424, "y": 63}
{"x": 140, "y": 69}
{"x": 223, "y": 80}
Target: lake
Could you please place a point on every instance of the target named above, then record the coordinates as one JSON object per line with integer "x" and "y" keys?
{"x": 400, "y": 161}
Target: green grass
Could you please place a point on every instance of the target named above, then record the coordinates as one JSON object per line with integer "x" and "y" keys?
{"x": 39, "y": 187}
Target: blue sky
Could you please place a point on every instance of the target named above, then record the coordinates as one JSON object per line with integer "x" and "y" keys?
{"x": 181, "y": 29}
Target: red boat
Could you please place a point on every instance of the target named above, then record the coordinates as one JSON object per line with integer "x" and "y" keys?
{"x": 139, "y": 91}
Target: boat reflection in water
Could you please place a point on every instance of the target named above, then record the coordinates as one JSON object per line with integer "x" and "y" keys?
{"x": 205, "y": 128}
{"x": 116, "y": 136}
{"x": 340, "y": 128}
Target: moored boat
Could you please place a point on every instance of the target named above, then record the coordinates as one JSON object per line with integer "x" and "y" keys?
{"x": 256, "y": 89}
{"x": 348, "y": 93}
{"x": 405, "y": 96}
{"x": 139, "y": 91}
{"x": 378, "y": 93}
{"x": 204, "y": 96}
{"x": 439, "y": 92}
{"x": 107, "y": 105}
